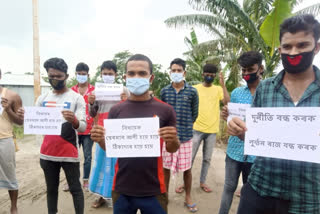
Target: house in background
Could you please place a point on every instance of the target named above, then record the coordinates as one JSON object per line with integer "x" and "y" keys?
{"x": 23, "y": 85}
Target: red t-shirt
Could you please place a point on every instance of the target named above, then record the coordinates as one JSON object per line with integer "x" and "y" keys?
{"x": 85, "y": 96}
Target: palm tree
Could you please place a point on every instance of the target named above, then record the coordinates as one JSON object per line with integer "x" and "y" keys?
{"x": 236, "y": 28}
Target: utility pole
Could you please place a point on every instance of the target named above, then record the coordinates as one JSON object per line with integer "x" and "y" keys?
{"x": 36, "y": 56}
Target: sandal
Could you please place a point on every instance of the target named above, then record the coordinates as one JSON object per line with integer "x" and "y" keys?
{"x": 191, "y": 207}
{"x": 180, "y": 189}
{"x": 98, "y": 203}
{"x": 206, "y": 188}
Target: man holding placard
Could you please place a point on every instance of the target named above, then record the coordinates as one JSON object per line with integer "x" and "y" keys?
{"x": 11, "y": 112}
{"x": 62, "y": 151}
{"x": 184, "y": 99}
{"x": 84, "y": 88}
{"x": 108, "y": 75}
{"x": 139, "y": 181}
{"x": 103, "y": 167}
{"x": 279, "y": 185}
{"x": 236, "y": 162}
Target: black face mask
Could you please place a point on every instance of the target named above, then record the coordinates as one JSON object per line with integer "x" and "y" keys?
{"x": 57, "y": 84}
{"x": 250, "y": 78}
{"x": 297, "y": 63}
{"x": 208, "y": 79}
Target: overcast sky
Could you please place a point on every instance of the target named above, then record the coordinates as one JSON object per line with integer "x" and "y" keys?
{"x": 92, "y": 31}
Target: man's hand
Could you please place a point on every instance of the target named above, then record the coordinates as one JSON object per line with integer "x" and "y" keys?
{"x": 169, "y": 135}
{"x": 68, "y": 116}
{"x": 225, "y": 112}
{"x": 98, "y": 135}
{"x": 6, "y": 104}
{"x": 237, "y": 127}
{"x": 221, "y": 78}
{"x": 123, "y": 96}
{"x": 20, "y": 113}
{"x": 91, "y": 98}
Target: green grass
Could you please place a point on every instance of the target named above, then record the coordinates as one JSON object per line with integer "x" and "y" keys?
{"x": 18, "y": 131}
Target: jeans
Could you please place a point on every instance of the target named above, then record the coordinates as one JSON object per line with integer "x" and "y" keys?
{"x": 252, "y": 203}
{"x": 123, "y": 204}
{"x": 209, "y": 141}
{"x": 51, "y": 171}
{"x": 232, "y": 172}
{"x": 86, "y": 143}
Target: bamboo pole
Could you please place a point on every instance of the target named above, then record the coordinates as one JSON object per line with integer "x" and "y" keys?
{"x": 36, "y": 56}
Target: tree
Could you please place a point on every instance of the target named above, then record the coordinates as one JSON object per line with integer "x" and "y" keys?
{"x": 236, "y": 29}
{"x": 161, "y": 79}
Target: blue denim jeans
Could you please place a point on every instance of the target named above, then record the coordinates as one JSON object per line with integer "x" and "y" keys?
{"x": 232, "y": 172}
{"x": 124, "y": 204}
{"x": 209, "y": 141}
{"x": 252, "y": 203}
{"x": 86, "y": 143}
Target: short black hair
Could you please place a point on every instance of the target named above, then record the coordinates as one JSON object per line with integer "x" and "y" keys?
{"x": 56, "y": 63}
{"x": 109, "y": 65}
{"x": 82, "y": 67}
{"x": 210, "y": 68}
{"x": 303, "y": 22}
{"x": 180, "y": 62}
{"x": 250, "y": 58}
{"x": 141, "y": 57}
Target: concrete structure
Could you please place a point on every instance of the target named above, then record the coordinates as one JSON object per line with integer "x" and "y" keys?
{"x": 23, "y": 85}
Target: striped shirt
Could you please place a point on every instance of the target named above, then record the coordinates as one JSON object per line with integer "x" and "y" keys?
{"x": 185, "y": 104}
{"x": 235, "y": 145}
{"x": 296, "y": 181}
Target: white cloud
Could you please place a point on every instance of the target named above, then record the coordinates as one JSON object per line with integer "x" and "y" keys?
{"x": 93, "y": 31}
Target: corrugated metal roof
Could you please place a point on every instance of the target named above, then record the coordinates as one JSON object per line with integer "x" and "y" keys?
{"x": 20, "y": 79}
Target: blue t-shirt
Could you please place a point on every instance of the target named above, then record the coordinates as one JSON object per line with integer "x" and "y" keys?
{"x": 235, "y": 145}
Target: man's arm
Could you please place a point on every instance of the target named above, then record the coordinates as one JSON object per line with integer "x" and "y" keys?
{"x": 170, "y": 136}
{"x": 97, "y": 135}
{"x": 162, "y": 95}
{"x": 13, "y": 107}
{"x": 80, "y": 122}
{"x": 195, "y": 106}
{"x": 226, "y": 97}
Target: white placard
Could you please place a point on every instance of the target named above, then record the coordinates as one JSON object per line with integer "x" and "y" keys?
{"x": 285, "y": 133}
{"x": 132, "y": 137}
{"x": 108, "y": 92}
{"x": 42, "y": 120}
{"x": 237, "y": 110}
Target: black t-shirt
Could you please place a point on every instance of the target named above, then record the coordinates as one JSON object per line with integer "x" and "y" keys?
{"x": 141, "y": 176}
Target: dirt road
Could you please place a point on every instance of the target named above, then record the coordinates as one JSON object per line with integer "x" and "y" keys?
{"x": 32, "y": 192}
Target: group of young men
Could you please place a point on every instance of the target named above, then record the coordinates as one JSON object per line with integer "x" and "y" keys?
{"x": 188, "y": 116}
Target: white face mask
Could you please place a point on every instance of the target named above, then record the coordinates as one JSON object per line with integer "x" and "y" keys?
{"x": 138, "y": 86}
{"x": 176, "y": 77}
{"x": 108, "y": 79}
{"x": 82, "y": 78}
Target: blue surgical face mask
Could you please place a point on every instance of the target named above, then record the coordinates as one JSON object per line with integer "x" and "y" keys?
{"x": 108, "y": 79}
{"x": 176, "y": 77}
{"x": 138, "y": 86}
{"x": 82, "y": 78}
